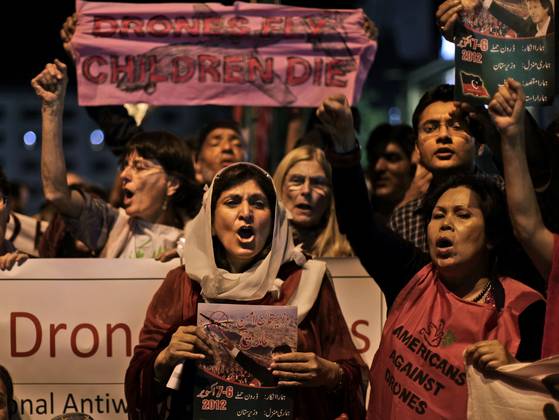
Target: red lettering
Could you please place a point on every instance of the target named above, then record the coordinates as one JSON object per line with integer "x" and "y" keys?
{"x": 53, "y": 330}
{"x": 131, "y": 25}
{"x": 337, "y": 68}
{"x": 101, "y": 77}
{"x": 317, "y": 71}
{"x": 360, "y": 336}
{"x": 110, "y": 26}
{"x": 13, "y": 334}
{"x": 127, "y": 69}
{"x": 74, "y": 344}
{"x": 292, "y": 78}
{"x": 213, "y": 25}
{"x": 208, "y": 64}
{"x": 272, "y": 25}
{"x": 159, "y": 26}
{"x": 238, "y": 25}
{"x": 188, "y": 26}
{"x": 182, "y": 69}
{"x": 316, "y": 24}
{"x": 142, "y": 68}
{"x": 154, "y": 76}
{"x": 265, "y": 72}
{"x": 127, "y": 334}
{"x": 233, "y": 66}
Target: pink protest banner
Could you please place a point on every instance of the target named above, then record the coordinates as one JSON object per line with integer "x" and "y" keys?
{"x": 194, "y": 54}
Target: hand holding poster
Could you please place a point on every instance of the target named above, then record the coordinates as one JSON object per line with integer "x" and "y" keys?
{"x": 193, "y": 54}
{"x": 238, "y": 381}
{"x": 499, "y": 39}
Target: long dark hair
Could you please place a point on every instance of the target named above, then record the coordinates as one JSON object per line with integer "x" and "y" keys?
{"x": 175, "y": 157}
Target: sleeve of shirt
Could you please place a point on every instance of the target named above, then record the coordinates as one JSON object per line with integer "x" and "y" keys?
{"x": 94, "y": 224}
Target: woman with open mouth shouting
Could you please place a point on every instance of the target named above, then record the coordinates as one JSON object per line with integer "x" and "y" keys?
{"x": 157, "y": 177}
{"x": 452, "y": 307}
{"x": 304, "y": 181}
{"x": 240, "y": 250}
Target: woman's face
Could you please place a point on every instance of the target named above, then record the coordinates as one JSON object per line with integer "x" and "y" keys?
{"x": 242, "y": 222}
{"x": 145, "y": 187}
{"x": 456, "y": 232}
{"x": 306, "y": 193}
{"x": 3, "y": 401}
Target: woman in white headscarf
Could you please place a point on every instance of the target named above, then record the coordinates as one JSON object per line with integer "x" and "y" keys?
{"x": 239, "y": 250}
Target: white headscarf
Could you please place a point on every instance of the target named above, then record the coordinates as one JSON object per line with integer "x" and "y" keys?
{"x": 256, "y": 281}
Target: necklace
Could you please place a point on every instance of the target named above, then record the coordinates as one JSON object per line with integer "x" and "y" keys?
{"x": 483, "y": 292}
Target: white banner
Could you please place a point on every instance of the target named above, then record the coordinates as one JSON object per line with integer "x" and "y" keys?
{"x": 68, "y": 328}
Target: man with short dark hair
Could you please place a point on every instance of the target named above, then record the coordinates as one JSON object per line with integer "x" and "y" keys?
{"x": 219, "y": 144}
{"x": 446, "y": 142}
{"x": 538, "y": 23}
{"x": 390, "y": 170}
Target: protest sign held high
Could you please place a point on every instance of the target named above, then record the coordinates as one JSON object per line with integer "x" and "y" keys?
{"x": 193, "y": 54}
{"x": 502, "y": 39}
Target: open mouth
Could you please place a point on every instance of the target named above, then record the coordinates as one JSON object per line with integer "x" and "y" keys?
{"x": 443, "y": 243}
{"x": 444, "y": 246}
{"x": 304, "y": 207}
{"x": 127, "y": 195}
{"x": 246, "y": 233}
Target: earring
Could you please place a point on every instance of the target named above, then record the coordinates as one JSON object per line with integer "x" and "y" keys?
{"x": 164, "y": 205}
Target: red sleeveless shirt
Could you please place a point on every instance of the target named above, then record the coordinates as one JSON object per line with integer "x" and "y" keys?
{"x": 418, "y": 370}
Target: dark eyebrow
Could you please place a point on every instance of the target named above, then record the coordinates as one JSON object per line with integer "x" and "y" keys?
{"x": 461, "y": 207}
{"x": 231, "y": 195}
{"x": 307, "y": 176}
{"x": 258, "y": 196}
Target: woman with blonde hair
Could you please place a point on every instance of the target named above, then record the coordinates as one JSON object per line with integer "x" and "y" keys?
{"x": 303, "y": 179}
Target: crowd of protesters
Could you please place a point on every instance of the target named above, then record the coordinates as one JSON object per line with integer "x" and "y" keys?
{"x": 465, "y": 253}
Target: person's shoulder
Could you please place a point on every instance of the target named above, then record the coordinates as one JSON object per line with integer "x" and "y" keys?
{"x": 406, "y": 211}
{"x": 177, "y": 283}
{"x": 519, "y": 294}
{"x": 411, "y": 205}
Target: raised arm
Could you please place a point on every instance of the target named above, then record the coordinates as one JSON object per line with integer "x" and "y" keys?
{"x": 507, "y": 111}
{"x": 50, "y": 86}
{"x": 389, "y": 259}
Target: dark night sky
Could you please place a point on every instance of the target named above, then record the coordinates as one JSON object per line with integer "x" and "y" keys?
{"x": 32, "y": 29}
